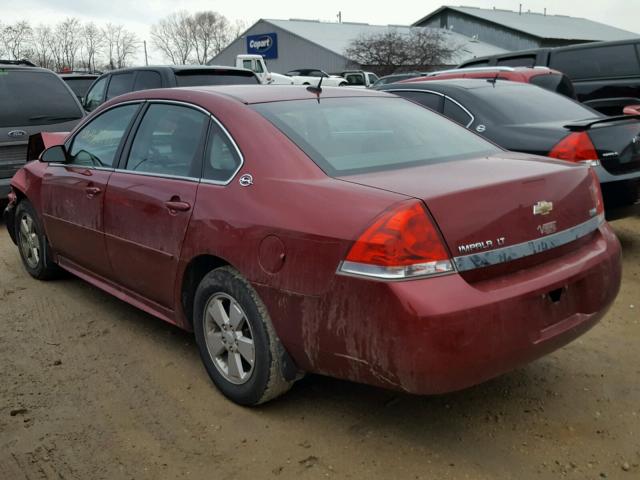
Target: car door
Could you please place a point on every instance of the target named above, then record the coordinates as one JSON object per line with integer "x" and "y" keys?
{"x": 73, "y": 192}
{"x": 150, "y": 198}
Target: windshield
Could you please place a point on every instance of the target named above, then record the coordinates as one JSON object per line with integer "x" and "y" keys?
{"x": 215, "y": 77}
{"x": 35, "y": 98}
{"x": 361, "y": 134}
{"x": 516, "y": 103}
{"x": 80, "y": 86}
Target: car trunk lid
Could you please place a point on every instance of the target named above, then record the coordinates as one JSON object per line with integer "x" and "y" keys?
{"x": 487, "y": 204}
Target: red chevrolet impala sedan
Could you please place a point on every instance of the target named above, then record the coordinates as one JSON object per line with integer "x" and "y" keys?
{"x": 343, "y": 232}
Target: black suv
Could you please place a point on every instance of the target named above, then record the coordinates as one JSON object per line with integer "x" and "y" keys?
{"x": 606, "y": 75}
{"x": 128, "y": 80}
{"x": 32, "y": 100}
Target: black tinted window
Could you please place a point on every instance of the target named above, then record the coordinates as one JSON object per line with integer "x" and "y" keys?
{"x": 479, "y": 63}
{"x": 518, "y": 103}
{"x": 429, "y": 100}
{"x": 522, "y": 61}
{"x": 80, "y": 86}
{"x": 556, "y": 83}
{"x": 615, "y": 60}
{"x": 35, "y": 98}
{"x": 97, "y": 143}
{"x": 221, "y": 159}
{"x": 96, "y": 95}
{"x": 456, "y": 113}
{"x": 167, "y": 141}
{"x": 146, "y": 80}
{"x": 120, "y": 84}
{"x": 352, "y": 135}
{"x": 187, "y": 79}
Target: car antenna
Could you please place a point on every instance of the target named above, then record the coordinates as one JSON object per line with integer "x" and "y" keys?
{"x": 317, "y": 89}
{"x": 493, "y": 80}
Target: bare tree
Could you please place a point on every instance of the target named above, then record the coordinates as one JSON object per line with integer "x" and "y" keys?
{"x": 68, "y": 39}
{"x": 392, "y": 49}
{"x": 92, "y": 41}
{"x": 173, "y": 37}
{"x": 210, "y": 33}
{"x": 16, "y": 39}
{"x": 41, "y": 44}
{"x": 119, "y": 45}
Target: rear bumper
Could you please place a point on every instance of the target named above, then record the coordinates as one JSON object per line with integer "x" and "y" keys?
{"x": 444, "y": 334}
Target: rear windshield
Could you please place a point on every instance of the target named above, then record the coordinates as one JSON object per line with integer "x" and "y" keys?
{"x": 555, "y": 82}
{"x": 80, "y": 86}
{"x": 215, "y": 77}
{"x": 516, "y": 103}
{"x": 35, "y": 98}
{"x": 355, "y": 135}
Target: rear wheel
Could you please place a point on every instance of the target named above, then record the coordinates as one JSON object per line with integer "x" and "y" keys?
{"x": 32, "y": 243}
{"x": 237, "y": 342}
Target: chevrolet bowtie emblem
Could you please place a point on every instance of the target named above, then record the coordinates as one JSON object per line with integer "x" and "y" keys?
{"x": 542, "y": 208}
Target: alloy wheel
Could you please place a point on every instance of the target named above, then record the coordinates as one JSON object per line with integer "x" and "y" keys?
{"x": 29, "y": 240}
{"x": 229, "y": 338}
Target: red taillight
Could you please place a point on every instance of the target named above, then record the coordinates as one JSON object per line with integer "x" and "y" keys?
{"x": 401, "y": 243}
{"x": 575, "y": 147}
{"x": 596, "y": 194}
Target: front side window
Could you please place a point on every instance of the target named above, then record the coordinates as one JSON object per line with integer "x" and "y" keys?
{"x": 361, "y": 134}
{"x": 97, "y": 143}
{"x": 167, "y": 141}
{"x": 146, "y": 80}
{"x": 373, "y": 78}
{"x": 221, "y": 159}
{"x": 96, "y": 95}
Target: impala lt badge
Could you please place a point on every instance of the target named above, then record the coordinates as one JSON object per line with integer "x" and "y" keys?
{"x": 484, "y": 245}
{"x": 542, "y": 208}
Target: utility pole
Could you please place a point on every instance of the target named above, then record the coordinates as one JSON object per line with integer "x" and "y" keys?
{"x": 146, "y": 58}
{"x": 339, "y": 17}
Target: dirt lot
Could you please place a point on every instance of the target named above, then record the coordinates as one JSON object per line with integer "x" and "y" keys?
{"x": 92, "y": 388}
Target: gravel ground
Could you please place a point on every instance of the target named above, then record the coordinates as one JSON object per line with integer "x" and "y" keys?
{"x": 92, "y": 388}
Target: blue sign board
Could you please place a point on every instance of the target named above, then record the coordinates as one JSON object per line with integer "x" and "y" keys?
{"x": 265, "y": 45}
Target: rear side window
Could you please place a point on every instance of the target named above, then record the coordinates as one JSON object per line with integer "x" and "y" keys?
{"x": 556, "y": 83}
{"x": 221, "y": 159}
{"x": 146, "y": 80}
{"x": 615, "y": 60}
{"x": 361, "y": 134}
{"x": 429, "y": 100}
{"x": 97, "y": 143}
{"x": 522, "y": 61}
{"x": 35, "y": 98}
{"x": 223, "y": 77}
{"x": 167, "y": 141}
{"x": 456, "y": 113}
{"x": 120, "y": 84}
{"x": 355, "y": 79}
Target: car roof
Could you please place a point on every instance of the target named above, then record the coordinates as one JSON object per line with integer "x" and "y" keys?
{"x": 456, "y": 84}
{"x": 28, "y": 68}
{"x": 250, "y": 94}
{"x": 180, "y": 68}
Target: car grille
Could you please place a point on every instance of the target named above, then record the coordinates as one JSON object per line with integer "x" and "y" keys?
{"x": 12, "y": 157}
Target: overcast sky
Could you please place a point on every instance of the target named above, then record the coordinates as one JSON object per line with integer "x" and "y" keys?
{"x": 138, "y": 15}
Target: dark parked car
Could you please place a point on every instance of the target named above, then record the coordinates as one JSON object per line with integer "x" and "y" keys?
{"x": 526, "y": 118}
{"x": 127, "y": 80}
{"x": 542, "y": 76}
{"x": 31, "y": 100}
{"x": 406, "y": 252}
{"x": 79, "y": 82}
{"x": 606, "y": 75}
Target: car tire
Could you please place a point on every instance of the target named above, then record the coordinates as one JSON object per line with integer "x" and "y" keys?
{"x": 33, "y": 245}
{"x": 238, "y": 344}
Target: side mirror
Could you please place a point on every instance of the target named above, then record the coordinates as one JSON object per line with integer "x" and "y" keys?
{"x": 55, "y": 154}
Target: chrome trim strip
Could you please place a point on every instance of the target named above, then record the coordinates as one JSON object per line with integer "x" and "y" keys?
{"x": 77, "y": 165}
{"x": 506, "y": 254}
{"x": 422, "y": 90}
{"x": 158, "y": 175}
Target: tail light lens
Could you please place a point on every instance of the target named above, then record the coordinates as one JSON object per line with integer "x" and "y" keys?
{"x": 575, "y": 147}
{"x": 596, "y": 195}
{"x": 401, "y": 243}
